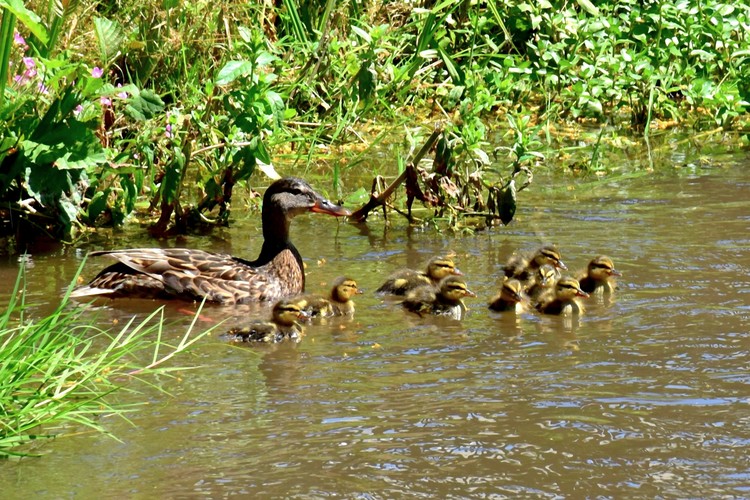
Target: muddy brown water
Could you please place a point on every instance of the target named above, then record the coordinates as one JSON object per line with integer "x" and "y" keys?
{"x": 647, "y": 394}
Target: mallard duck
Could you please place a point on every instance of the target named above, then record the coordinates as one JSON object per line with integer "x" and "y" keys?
{"x": 523, "y": 267}
{"x": 405, "y": 280}
{"x": 181, "y": 273}
{"x": 338, "y": 303}
{"x": 543, "y": 280}
{"x": 283, "y": 325}
{"x": 445, "y": 300}
{"x": 599, "y": 277}
{"x": 510, "y": 297}
{"x": 563, "y": 300}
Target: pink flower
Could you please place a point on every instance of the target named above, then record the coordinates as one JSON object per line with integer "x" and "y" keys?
{"x": 78, "y": 110}
{"x": 29, "y": 62}
{"x": 42, "y": 88}
{"x": 97, "y": 72}
{"x": 123, "y": 94}
{"x": 168, "y": 130}
{"x": 19, "y": 40}
{"x": 105, "y": 101}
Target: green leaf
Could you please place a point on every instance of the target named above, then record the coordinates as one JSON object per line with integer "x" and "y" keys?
{"x": 506, "y": 203}
{"x": 110, "y": 36}
{"x": 144, "y": 105}
{"x": 233, "y": 70}
{"x": 32, "y": 22}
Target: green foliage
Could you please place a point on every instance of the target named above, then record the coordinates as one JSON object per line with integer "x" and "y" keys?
{"x": 209, "y": 101}
{"x": 59, "y": 371}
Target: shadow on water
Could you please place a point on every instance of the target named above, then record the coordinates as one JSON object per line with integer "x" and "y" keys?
{"x": 644, "y": 395}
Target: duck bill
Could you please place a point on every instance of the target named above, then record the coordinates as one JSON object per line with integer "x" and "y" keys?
{"x": 457, "y": 272}
{"x": 323, "y": 206}
{"x": 615, "y": 272}
{"x": 581, "y": 293}
{"x": 469, "y": 293}
{"x": 561, "y": 265}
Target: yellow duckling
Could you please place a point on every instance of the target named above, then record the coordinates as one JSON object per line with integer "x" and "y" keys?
{"x": 599, "y": 276}
{"x": 338, "y": 303}
{"x": 283, "y": 325}
{"x": 564, "y": 299}
{"x": 445, "y": 300}
{"x": 543, "y": 281}
{"x": 403, "y": 281}
{"x": 523, "y": 267}
{"x": 510, "y": 297}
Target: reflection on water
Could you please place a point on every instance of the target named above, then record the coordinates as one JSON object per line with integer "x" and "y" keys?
{"x": 645, "y": 395}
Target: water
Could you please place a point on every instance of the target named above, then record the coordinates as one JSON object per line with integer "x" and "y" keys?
{"x": 646, "y": 395}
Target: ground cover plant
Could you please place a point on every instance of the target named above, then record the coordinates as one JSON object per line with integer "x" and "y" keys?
{"x": 60, "y": 372}
{"x": 108, "y": 108}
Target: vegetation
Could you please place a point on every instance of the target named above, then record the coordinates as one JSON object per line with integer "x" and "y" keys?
{"x": 106, "y": 107}
{"x": 59, "y": 370}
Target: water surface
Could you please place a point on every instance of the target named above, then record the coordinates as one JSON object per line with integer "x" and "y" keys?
{"x": 645, "y": 395}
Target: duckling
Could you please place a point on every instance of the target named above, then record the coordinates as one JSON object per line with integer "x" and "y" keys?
{"x": 523, "y": 267}
{"x": 338, "y": 303}
{"x": 189, "y": 274}
{"x": 403, "y": 281}
{"x": 600, "y": 276}
{"x": 445, "y": 300}
{"x": 564, "y": 298}
{"x": 543, "y": 280}
{"x": 510, "y": 297}
{"x": 283, "y": 325}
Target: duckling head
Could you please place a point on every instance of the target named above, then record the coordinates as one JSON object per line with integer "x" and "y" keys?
{"x": 344, "y": 289}
{"x": 512, "y": 290}
{"x": 286, "y": 312}
{"x": 440, "y": 267}
{"x": 549, "y": 255}
{"x": 602, "y": 267}
{"x": 568, "y": 288}
{"x": 453, "y": 289}
{"x": 546, "y": 275}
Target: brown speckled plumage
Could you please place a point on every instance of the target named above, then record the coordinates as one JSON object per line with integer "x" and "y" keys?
{"x": 182, "y": 273}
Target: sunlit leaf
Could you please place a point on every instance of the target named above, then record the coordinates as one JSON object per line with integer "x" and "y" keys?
{"x": 144, "y": 105}
{"x": 29, "y": 19}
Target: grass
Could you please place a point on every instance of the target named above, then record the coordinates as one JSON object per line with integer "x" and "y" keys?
{"x": 56, "y": 375}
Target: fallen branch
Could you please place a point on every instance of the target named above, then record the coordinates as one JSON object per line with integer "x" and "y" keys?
{"x": 379, "y": 199}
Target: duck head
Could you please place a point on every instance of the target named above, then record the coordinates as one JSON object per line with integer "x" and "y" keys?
{"x": 453, "y": 289}
{"x": 344, "y": 289}
{"x": 440, "y": 267}
{"x": 602, "y": 267}
{"x": 568, "y": 288}
{"x": 549, "y": 254}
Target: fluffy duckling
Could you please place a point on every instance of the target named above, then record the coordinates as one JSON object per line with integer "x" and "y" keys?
{"x": 445, "y": 300}
{"x": 510, "y": 297}
{"x": 523, "y": 267}
{"x": 563, "y": 300}
{"x": 283, "y": 325}
{"x": 338, "y": 303}
{"x": 599, "y": 276}
{"x": 543, "y": 280}
{"x": 403, "y": 281}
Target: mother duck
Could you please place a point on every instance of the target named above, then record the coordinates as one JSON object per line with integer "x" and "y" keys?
{"x": 183, "y": 273}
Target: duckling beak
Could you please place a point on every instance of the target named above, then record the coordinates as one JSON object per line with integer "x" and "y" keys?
{"x": 581, "y": 293}
{"x": 359, "y": 291}
{"x": 561, "y": 265}
{"x": 457, "y": 272}
{"x": 323, "y": 206}
{"x": 469, "y": 293}
{"x": 614, "y": 272}
{"x": 304, "y": 316}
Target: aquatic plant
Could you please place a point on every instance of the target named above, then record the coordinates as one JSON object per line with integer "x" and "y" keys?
{"x": 60, "y": 371}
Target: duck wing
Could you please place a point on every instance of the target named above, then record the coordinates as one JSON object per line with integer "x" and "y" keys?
{"x": 194, "y": 275}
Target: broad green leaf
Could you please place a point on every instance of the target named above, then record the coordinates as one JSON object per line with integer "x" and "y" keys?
{"x": 144, "y": 105}
{"x": 29, "y": 19}
{"x": 233, "y": 70}
{"x": 110, "y": 36}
